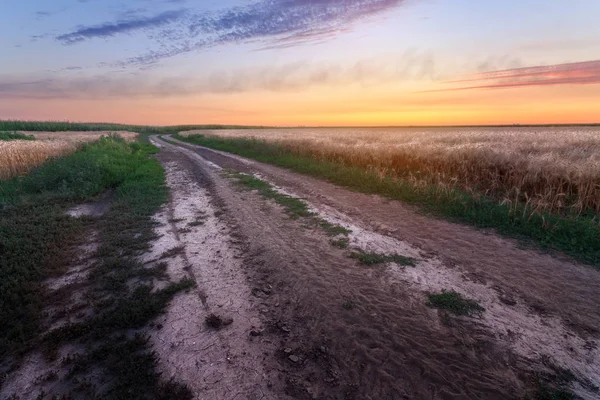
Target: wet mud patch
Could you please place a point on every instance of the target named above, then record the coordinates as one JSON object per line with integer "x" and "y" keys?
{"x": 96, "y": 208}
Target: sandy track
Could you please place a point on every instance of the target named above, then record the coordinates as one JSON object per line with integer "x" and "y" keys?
{"x": 214, "y": 363}
{"x": 391, "y": 346}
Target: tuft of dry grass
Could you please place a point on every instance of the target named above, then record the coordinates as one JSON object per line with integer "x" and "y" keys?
{"x": 550, "y": 169}
{"x": 18, "y": 157}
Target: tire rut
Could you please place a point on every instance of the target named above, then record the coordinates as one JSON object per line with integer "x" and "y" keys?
{"x": 390, "y": 345}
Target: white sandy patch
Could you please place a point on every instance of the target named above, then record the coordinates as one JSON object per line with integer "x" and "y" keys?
{"x": 214, "y": 364}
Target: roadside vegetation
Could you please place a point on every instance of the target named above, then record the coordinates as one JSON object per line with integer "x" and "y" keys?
{"x": 455, "y": 303}
{"x": 551, "y": 170}
{"x": 64, "y": 126}
{"x": 38, "y": 241}
{"x": 370, "y": 258}
{"x": 15, "y": 136}
{"x": 20, "y": 153}
{"x": 296, "y": 208}
{"x": 20, "y": 156}
{"x": 573, "y": 228}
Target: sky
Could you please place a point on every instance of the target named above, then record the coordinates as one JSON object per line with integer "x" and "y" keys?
{"x": 301, "y": 62}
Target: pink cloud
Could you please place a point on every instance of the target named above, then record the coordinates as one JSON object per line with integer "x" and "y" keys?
{"x": 580, "y": 73}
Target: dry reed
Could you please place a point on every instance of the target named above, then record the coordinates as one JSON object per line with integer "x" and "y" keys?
{"x": 550, "y": 169}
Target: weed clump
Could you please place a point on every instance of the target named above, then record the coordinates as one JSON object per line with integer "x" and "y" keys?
{"x": 333, "y": 229}
{"x": 368, "y": 258}
{"x": 15, "y": 136}
{"x": 215, "y": 321}
{"x": 294, "y": 207}
{"x": 348, "y": 305}
{"x": 455, "y": 303}
{"x": 342, "y": 243}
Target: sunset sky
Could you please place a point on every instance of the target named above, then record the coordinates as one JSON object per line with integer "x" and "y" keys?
{"x": 301, "y": 62}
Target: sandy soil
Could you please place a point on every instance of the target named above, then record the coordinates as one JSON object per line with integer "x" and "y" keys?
{"x": 540, "y": 315}
{"x": 216, "y": 364}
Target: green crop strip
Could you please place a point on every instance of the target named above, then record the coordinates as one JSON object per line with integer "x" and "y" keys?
{"x": 455, "y": 303}
{"x": 15, "y": 136}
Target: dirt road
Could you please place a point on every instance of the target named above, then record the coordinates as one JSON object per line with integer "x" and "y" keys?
{"x": 310, "y": 322}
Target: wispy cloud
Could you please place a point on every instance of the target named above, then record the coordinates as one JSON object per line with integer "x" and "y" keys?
{"x": 579, "y": 73}
{"x": 412, "y": 65}
{"x": 277, "y": 23}
{"x": 44, "y": 14}
{"x": 119, "y": 27}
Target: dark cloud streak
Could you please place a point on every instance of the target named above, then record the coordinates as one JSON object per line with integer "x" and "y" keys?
{"x": 123, "y": 26}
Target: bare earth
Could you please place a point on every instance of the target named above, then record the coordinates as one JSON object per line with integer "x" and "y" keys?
{"x": 284, "y": 286}
{"x": 283, "y": 291}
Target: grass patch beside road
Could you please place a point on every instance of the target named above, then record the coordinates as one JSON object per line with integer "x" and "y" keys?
{"x": 367, "y": 258}
{"x": 578, "y": 236}
{"x": 294, "y": 207}
{"x": 455, "y": 303}
{"x": 35, "y": 233}
{"x": 15, "y": 136}
{"x": 37, "y": 240}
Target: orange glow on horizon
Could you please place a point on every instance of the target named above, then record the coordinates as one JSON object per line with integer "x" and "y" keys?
{"x": 349, "y": 106}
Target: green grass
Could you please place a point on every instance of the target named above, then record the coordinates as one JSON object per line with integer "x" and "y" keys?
{"x": 15, "y": 136}
{"x": 576, "y": 236}
{"x": 333, "y": 229}
{"x": 348, "y": 305}
{"x": 37, "y": 240}
{"x": 368, "y": 258}
{"x": 455, "y": 303}
{"x": 342, "y": 243}
{"x": 129, "y": 359}
{"x": 143, "y": 130}
{"x": 294, "y": 207}
{"x": 35, "y": 234}
{"x": 546, "y": 393}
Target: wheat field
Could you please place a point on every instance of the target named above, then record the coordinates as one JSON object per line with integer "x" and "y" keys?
{"x": 550, "y": 169}
{"x": 17, "y": 157}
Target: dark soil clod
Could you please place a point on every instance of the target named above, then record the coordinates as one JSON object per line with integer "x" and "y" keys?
{"x": 217, "y": 322}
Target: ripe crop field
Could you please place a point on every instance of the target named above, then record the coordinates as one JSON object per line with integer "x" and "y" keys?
{"x": 112, "y": 252}
{"x": 549, "y": 169}
{"x": 20, "y": 156}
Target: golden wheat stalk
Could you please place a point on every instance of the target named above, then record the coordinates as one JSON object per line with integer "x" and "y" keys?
{"x": 555, "y": 170}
